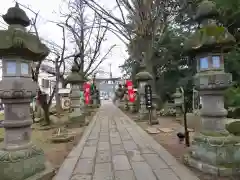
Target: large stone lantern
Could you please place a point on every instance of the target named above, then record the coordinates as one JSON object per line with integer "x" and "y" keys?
{"x": 143, "y": 77}
{"x": 76, "y": 80}
{"x": 214, "y": 150}
{"x": 19, "y": 158}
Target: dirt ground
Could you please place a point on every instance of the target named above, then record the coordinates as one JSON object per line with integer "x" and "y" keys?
{"x": 55, "y": 152}
{"x": 171, "y": 143}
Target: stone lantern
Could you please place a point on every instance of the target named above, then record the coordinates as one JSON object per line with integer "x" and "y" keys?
{"x": 143, "y": 77}
{"x": 76, "y": 80}
{"x": 178, "y": 102}
{"x": 19, "y": 158}
{"x": 213, "y": 150}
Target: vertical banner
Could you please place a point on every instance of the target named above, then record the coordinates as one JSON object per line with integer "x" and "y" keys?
{"x": 131, "y": 95}
{"x": 87, "y": 87}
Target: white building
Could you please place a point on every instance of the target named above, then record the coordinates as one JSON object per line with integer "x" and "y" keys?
{"x": 47, "y": 82}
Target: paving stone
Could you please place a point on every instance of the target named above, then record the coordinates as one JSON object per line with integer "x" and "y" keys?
{"x": 129, "y": 145}
{"x": 115, "y": 134}
{"x": 124, "y": 175}
{"x": 66, "y": 169}
{"x": 89, "y": 152}
{"x": 125, "y": 135}
{"x": 166, "y": 130}
{"x": 103, "y": 171}
{"x": 92, "y": 142}
{"x": 120, "y": 162}
{"x": 155, "y": 161}
{"x": 143, "y": 171}
{"x": 113, "y": 129}
{"x": 147, "y": 150}
{"x": 104, "y": 138}
{"x": 118, "y": 149}
{"x": 134, "y": 155}
{"x": 115, "y": 140}
{"x": 81, "y": 177}
{"x": 183, "y": 173}
{"x": 84, "y": 166}
{"x": 152, "y": 130}
{"x": 103, "y": 146}
{"x": 165, "y": 174}
{"x": 93, "y": 136}
{"x": 104, "y": 134}
{"x": 119, "y": 144}
{"x": 103, "y": 156}
{"x": 143, "y": 146}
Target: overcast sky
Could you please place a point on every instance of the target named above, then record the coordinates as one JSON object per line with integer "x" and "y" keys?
{"x": 49, "y": 10}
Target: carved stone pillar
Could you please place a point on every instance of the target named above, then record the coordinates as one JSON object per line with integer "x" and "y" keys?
{"x": 19, "y": 158}
{"x": 143, "y": 77}
{"x": 213, "y": 149}
{"x": 76, "y": 80}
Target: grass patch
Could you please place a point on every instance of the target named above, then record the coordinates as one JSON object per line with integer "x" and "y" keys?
{"x": 1, "y": 116}
{"x": 1, "y": 133}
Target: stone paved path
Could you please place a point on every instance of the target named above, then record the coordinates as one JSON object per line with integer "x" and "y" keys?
{"x": 113, "y": 147}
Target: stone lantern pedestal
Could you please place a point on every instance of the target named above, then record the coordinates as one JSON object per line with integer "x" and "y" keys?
{"x": 178, "y": 102}
{"x": 19, "y": 158}
{"x": 143, "y": 77}
{"x": 132, "y": 107}
{"x": 98, "y": 99}
{"x": 126, "y": 101}
{"x": 76, "y": 80}
{"x": 214, "y": 150}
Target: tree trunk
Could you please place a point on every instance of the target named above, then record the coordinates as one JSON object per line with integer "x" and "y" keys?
{"x": 149, "y": 66}
{"x": 57, "y": 96}
{"x": 45, "y": 107}
{"x": 46, "y": 115}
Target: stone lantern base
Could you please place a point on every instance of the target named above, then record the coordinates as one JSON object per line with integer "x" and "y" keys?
{"x": 25, "y": 164}
{"x": 179, "y": 114}
{"x": 218, "y": 155}
{"x": 77, "y": 117}
{"x": 144, "y": 115}
{"x": 126, "y": 106}
{"x": 132, "y": 107}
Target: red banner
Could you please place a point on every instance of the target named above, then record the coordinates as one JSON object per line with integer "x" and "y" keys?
{"x": 87, "y": 87}
{"x": 131, "y": 96}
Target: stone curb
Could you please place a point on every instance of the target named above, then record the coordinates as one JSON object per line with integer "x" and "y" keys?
{"x": 68, "y": 166}
{"x": 180, "y": 170}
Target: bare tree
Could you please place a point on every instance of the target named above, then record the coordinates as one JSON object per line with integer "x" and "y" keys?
{"x": 87, "y": 34}
{"x": 57, "y": 57}
{"x": 138, "y": 23}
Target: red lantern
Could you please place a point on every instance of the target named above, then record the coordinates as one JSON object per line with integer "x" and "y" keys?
{"x": 87, "y": 87}
{"x": 131, "y": 95}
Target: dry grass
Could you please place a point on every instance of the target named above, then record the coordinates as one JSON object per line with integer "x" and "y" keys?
{"x": 55, "y": 153}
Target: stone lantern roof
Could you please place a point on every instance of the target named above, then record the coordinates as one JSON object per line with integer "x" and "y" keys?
{"x": 75, "y": 77}
{"x": 206, "y": 9}
{"x": 143, "y": 75}
{"x": 15, "y": 15}
{"x": 209, "y": 35}
{"x": 17, "y": 41}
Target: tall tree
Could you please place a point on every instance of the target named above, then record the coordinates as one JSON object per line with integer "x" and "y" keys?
{"x": 88, "y": 35}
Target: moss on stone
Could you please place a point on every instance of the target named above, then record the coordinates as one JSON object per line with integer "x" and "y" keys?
{"x": 216, "y": 140}
{"x": 215, "y": 134}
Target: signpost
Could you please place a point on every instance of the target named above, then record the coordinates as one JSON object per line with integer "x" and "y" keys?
{"x": 148, "y": 101}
